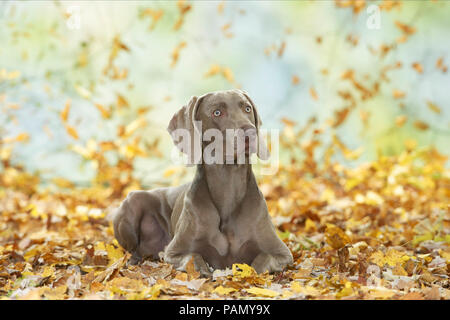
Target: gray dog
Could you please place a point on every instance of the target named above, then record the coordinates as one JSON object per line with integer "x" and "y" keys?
{"x": 218, "y": 219}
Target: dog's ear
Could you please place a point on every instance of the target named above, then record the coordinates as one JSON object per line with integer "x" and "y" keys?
{"x": 186, "y": 132}
{"x": 262, "y": 153}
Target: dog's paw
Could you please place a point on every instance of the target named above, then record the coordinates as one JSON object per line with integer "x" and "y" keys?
{"x": 266, "y": 262}
{"x": 134, "y": 259}
{"x": 199, "y": 265}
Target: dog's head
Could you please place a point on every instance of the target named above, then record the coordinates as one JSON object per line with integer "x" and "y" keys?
{"x": 222, "y": 119}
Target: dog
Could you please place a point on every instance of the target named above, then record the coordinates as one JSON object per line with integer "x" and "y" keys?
{"x": 221, "y": 217}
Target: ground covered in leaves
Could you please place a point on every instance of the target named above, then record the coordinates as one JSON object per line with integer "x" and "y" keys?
{"x": 379, "y": 231}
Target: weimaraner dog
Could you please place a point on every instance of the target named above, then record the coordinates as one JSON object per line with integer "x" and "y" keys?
{"x": 218, "y": 219}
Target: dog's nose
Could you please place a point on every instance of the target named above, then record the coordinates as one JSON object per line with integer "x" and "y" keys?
{"x": 249, "y": 129}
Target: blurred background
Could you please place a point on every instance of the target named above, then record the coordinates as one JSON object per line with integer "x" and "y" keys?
{"x": 87, "y": 88}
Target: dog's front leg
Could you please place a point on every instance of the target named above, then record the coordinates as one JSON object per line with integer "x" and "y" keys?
{"x": 275, "y": 255}
{"x": 180, "y": 251}
{"x": 174, "y": 255}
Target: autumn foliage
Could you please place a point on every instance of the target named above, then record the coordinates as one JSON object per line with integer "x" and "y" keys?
{"x": 377, "y": 230}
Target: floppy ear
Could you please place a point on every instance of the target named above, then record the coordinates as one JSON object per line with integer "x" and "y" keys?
{"x": 186, "y": 132}
{"x": 262, "y": 152}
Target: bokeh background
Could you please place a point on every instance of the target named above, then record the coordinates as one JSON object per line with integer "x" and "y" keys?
{"x": 89, "y": 85}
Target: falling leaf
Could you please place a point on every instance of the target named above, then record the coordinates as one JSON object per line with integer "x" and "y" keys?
{"x": 155, "y": 16}
{"x": 176, "y": 53}
{"x": 440, "y": 65}
{"x": 134, "y": 125}
{"x": 418, "y": 67}
{"x": 401, "y": 120}
{"x": 183, "y": 8}
{"x": 421, "y": 125}
{"x": 221, "y": 6}
{"x": 281, "y": 49}
{"x": 83, "y": 92}
{"x": 433, "y": 107}
{"x": 295, "y": 80}
{"x": 213, "y": 70}
{"x": 313, "y": 94}
{"x": 228, "y": 74}
{"x": 65, "y": 112}
{"x": 122, "y": 102}
{"x": 397, "y": 94}
{"x": 407, "y": 30}
{"x": 71, "y": 131}
{"x": 106, "y": 114}
{"x": 21, "y": 137}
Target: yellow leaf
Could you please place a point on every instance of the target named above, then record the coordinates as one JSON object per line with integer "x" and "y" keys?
{"x": 399, "y": 271}
{"x": 62, "y": 183}
{"x": 400, "y": 120}
{"x": 373, "y": 198}
{"x": 72, "y": 132}
{"x": 31, "y": 253}
{"x": 65, "y": 112}
{"x": 310, "y": 225}
{"x": 336, "y": 237}
{"x": 223, "y": 291}
{"x": 176, "y": 52}
{"x": 83, "y": 92}
{"x": 392, "y": 258}
{"x": 134, "y": 125}
{"x": 100, "y": 246}
{"x": 105, "y": 113}
{"x": 445, "y": 255}
{"x": 113, "y": 253}
{"x": 313, "y": 93}
{"x": 433, "y": 107}
{"x": 213, "y": 70}
{"x": 398, "y": 94}
{"x": 418, "y": 67}
{"x": 21, "y": 137}
{"x": 346, "y": 291}
{"x": 405, "y": 28}
{"x": 121, "y": 101}
{"x": 57, "y": 293}
{"x": 243, "y": 270}
{"x": 421, "y": 125}
{"x": 410, "y": 144}
{"x": 306, "y": 290}
{"x": 228, "y": 74}
{"x": 263, "y": 292}
{"x": 48, "y": 271}
{"x": 382, "y": 294}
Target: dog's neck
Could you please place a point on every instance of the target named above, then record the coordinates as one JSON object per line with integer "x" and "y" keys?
{"x": 227, "y": 185}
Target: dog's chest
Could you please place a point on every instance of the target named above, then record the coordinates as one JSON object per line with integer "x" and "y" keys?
{"x": 235, "y": 236}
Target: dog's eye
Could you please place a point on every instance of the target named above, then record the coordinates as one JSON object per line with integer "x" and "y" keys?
{"x": 217, "y": 113}
{"x": 248, "y": 109}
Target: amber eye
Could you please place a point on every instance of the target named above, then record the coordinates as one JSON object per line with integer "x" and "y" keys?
{"x": 248, "y": 109}
{"x": 217, "y": 113}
